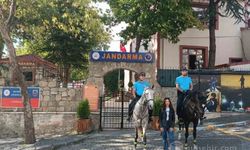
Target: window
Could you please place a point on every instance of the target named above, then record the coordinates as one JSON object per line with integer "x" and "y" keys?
{"x": 189, "y": 55}
{"x": 28, "y": 76}
{"x": 235, "y": 60}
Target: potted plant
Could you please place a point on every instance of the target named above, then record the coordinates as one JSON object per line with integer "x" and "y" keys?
{"x": 155, "y": 124}
{"x": 83, "y": 112}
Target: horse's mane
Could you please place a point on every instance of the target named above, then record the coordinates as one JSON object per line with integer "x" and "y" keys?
{"x": 197, "y": 96}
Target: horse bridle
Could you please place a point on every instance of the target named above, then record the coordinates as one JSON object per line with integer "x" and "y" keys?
{"x": 146, "y": 101}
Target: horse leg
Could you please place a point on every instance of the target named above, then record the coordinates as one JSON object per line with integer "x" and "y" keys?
{"x": 144, "y": 137}
{"x": 136, "y": 137}
{"x": 194, "y": 130}
{"x": 186, "y": 134}
{"x": 179, "y": 132}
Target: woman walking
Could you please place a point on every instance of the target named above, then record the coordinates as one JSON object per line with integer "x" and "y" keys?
{"x": 167, "y": 122}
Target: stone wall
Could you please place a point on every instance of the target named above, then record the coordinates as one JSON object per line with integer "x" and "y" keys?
{"x": 56, "y": 115}
{"x": 55, "y": 99}
{"x": 169, "y": 92}
{"x": 11, "y": 123}
{"x": 97, "y": 70}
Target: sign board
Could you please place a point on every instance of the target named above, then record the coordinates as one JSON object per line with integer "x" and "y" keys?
{"x": 11, "y": 97}
{"x": 104, "y": 56}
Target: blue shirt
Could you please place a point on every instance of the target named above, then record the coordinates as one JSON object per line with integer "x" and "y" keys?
{"x": 139, "y": 87}
{"x": 184, "y": 82}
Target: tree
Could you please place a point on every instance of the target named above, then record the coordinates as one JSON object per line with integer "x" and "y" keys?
{"x": 1, "y": 46}
{"x": 233, "y": 8}
{"x": 63, "y": 32}
{"x": 111, "y": 80}
{"x": 7, "y": 12}
{"x": 145, "y": 18}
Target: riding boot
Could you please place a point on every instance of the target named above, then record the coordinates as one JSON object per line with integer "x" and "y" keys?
{"x": 130, "y": 112}
{"x": 150, "y": 112}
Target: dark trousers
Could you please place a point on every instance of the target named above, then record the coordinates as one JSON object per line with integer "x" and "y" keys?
{"x": 179, "y": 106}
{"x": 132, "y": 105}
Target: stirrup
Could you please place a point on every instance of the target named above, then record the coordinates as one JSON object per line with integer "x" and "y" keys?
{"x": 180, "y": 121}
{"x": 150, "y": 119}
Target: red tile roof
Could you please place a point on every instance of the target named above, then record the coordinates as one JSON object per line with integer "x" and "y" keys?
{"x": 30, "y": 58}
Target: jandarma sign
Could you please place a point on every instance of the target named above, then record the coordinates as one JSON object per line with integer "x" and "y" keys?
{"x": 105, "y": 56}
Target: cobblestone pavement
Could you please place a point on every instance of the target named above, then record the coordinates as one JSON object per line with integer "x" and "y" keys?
{"x": 123, "y": 140}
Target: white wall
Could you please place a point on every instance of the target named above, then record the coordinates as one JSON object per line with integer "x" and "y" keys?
{"x": 228, "y": 43}
{"x": 243, "y": 67}
{"x": 126, "y": 79}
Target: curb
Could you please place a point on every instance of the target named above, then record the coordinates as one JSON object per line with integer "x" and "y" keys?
{"x": 56, "y": 145}
{"x": 231, "y": 124}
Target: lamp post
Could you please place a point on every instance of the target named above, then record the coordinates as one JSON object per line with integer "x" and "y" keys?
{"x": 199, "y": 64}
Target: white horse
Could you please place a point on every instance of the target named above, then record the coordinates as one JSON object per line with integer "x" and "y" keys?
{"x": 140, "y": 114}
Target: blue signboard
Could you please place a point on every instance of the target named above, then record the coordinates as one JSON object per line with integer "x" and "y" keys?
{"x": 12, "y": 98}
{"x": 15, "y": 92}
{"x": 105, "y": 56}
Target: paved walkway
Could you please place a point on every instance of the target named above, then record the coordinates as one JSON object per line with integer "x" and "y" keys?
{"x": 123, "y": 139}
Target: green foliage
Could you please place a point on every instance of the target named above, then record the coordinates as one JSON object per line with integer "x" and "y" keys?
{"x": 157, "y": 106}
{"x": 130, "y": 84}
{"x": 78, "y": 74}
{"x": 145, "y": 18}
{"x": 111, "y": 80}
{"x": 65, "y": 31}
{"x": 83, "y": 110}
{"x": 1, "y": 46}
{"x": 233, "y": 8}
{"x": 60, "y": 31}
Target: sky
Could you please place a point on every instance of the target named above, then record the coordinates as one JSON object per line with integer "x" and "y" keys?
{"x": 115, "y": 42}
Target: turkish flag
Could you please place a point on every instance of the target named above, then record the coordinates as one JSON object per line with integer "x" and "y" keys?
{"x": 122, "y": 47}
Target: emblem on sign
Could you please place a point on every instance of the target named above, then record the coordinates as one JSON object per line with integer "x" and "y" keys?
{"x": 148, "y": 57}
{"x": 95, "y": 55}
{"x": 6, "y": 92}
{"x": 35, "y": 92}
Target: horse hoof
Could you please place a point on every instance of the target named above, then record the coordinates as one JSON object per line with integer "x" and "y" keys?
{"x": 194, "y": 141}
{"x": 179, "y": 136}
{"x": 185, "y": 146}
{"x": 195, "y": 147}
{"x": 145, "y": 146}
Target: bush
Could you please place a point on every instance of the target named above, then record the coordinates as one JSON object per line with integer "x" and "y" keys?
{"x": 130, "y": 84}
{"x": 157, "y": 106}
{"x": 83, "y": 110}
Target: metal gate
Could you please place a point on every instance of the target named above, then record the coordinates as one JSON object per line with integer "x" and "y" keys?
{"x": 114, "y": 111}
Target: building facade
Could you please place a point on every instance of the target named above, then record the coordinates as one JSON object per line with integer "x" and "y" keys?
{"x": 34, "y": 69}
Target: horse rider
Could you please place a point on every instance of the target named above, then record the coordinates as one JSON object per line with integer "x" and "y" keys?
{"x": 138, "y": 89}
{"x": 183, "y": 85}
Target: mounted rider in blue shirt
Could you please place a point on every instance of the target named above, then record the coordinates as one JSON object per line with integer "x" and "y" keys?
{"x": 138, "y": 89}
{"x": 183, "y": 85}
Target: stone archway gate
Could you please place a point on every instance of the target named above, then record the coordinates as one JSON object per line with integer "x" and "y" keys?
{"x": 103, "y": 62}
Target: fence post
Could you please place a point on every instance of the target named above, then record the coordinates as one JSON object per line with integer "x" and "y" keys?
{"x": 100, "y": 119}
{"x": 122, "y": 96}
